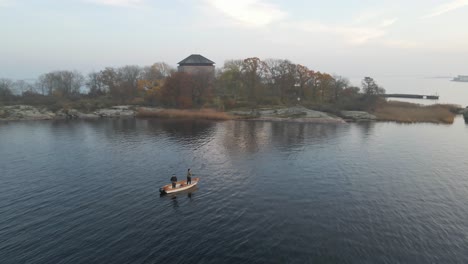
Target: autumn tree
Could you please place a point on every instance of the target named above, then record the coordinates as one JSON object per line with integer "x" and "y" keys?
{"x": 303, "y": 78}
{"x": 282, "y": 78}
{"x": 177, "y": 90}
{"x": 325, "y": 87}
{"x": 253, "y": 73}
{"x": 151, "y": 81}
{"x": 202, "y": 88}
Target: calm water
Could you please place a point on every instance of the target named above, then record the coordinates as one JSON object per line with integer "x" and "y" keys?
{"x": 87, "y": 192}
{"x": 449, "y": 92}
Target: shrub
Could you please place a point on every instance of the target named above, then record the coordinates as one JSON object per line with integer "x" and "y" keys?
{"x": 411, "y": 113}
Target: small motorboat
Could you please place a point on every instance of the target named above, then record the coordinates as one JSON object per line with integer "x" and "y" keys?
{"x": 180, "y": 186}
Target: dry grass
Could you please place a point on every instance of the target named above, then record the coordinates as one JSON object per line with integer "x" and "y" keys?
{"x": 415, "y": 113}
{"x": 207, "y": 114}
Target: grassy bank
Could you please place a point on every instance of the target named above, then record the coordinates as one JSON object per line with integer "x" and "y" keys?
{"x": 207, "y": 114}
{"x": 415, "y": 113}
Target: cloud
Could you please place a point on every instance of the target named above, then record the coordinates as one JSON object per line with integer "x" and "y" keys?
{"x": 5, "y": 3}
{"x": 445, "y": 8}
{"x": 369, "y": 26}
{"x": 255, "y": 13}
{"x": 388, "y": 22}
{"x": 403, "y": 44}
{"x": 367, "y": 15}
{"x": 355, "y": 35}
{"x": 122, "y": 3}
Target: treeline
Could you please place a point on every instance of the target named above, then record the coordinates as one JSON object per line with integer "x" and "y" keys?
{"x": 239, "y": 83}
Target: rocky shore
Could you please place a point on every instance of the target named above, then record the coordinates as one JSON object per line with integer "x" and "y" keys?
{"x": 27, "y": 112}
{"x": 357, "y": 116}
{"x": 290, "y": 114}
{"x": 298, "y": 114}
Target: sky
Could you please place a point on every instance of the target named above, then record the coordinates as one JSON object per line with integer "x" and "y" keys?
{"x": 347, "y": 38}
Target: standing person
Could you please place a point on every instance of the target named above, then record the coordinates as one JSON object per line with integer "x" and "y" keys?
{"x": 189, "y": 177}
{"x": 174, "y": 181}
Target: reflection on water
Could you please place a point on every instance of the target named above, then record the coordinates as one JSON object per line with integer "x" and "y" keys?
{"x": 270, "y": 192}
{"x": 251, "y": 137}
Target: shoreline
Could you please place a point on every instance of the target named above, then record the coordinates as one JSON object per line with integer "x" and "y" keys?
{"x": 293, "y": 114}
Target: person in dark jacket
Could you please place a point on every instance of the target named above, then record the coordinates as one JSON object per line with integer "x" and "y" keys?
{"x": 189, "y": 177}
{"x": 174, "y": 181}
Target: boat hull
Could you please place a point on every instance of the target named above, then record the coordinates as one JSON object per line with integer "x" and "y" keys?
{"x": 180, "y": 186}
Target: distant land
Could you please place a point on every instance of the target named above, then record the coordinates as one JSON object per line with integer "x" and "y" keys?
{"x": 461, "y": 78}
{"x": 440, "y": 77}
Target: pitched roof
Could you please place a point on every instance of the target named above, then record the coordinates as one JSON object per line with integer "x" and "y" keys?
{"x": 196, "y": 59}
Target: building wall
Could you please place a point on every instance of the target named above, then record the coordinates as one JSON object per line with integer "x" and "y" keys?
{"x": 197, "y": 69}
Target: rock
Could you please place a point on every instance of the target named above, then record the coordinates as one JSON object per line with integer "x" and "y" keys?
{"x": 290, "y": 114}
{"x": 251, "y": 113}
{"x": 121, "y": 107}
{"x": 25, "y": 112}
{"x": 87, "y": 116}
{"x": 300, "y": 111}
{"x": 116, "y": 111}
{"x": 358, "y": 116}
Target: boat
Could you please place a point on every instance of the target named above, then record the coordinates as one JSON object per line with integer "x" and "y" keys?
{"x": 180, "y": 186}
{"x": 461, "y": 78}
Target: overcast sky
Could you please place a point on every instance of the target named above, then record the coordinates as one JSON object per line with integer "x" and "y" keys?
{"x": 349, "y": 38}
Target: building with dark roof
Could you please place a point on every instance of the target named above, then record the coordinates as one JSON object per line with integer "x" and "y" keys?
{"x": 196, "y": 64}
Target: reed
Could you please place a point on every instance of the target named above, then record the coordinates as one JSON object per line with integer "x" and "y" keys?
{"x": 414, "y": 113}
{"x": 207, "y": 114}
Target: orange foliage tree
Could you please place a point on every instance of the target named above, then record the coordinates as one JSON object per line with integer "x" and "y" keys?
{"x": 177, "y": 90}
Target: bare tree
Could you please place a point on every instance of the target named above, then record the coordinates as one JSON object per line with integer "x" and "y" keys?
{"x": 22, "y": 87}
{"x": 61, "y": 83}
{"x": 158, "y": 71}
{"x": 122, "y": 83}
{"x": 129, "y": 76}
{"x": 95, "y": 84}
{"x": 339, "y": 85}
{"x": 370, "y": 87}
{"x": 5, "y": 89}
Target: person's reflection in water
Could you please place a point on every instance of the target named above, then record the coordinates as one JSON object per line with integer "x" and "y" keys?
{"x": 175, "y": 203}
{"x": 189, "y": 195}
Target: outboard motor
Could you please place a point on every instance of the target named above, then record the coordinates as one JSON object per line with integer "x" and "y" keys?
{"x": 162, "y": 191}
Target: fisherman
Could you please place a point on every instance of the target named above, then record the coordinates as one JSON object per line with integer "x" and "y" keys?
{"x": 174, "y": 181}
{"x": 189, "y": 177}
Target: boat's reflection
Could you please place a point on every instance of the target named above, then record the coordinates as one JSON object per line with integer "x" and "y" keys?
{"x": 173, "y": 196}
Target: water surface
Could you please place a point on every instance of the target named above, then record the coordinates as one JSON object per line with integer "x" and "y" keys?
{"x": 87, "y": 192}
